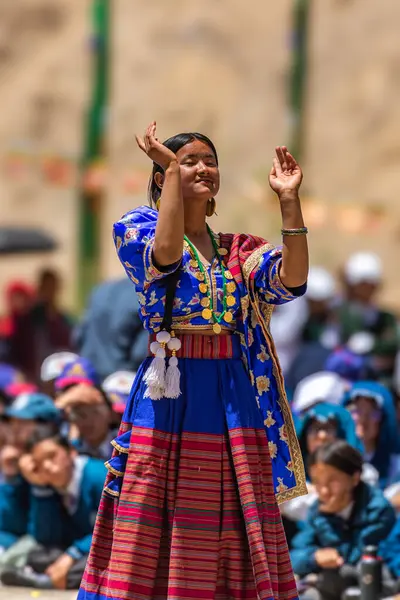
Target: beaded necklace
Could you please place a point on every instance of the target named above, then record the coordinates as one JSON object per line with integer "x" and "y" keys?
{"x": 209, "y": 310}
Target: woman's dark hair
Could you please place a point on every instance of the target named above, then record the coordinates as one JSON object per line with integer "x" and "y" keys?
{"x": 175, "y": 143}
{"x": 47, "y": 432}
{"x": 340, "y": 455}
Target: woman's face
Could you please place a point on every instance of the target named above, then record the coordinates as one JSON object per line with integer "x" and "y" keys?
{"x": 53, "y": 462}
{"x": 320, "y": 433}
{"x": 199, "y": 171}
{"x": 367, "y": 419}
{"x": 334, "y": 488}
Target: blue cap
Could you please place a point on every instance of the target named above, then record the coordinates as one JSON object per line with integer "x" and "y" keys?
{"x": 9, "y": 375}
{"x": 34, "y": 407}
{"x": 349, "y": 365}
{"x": 78, "y": 371}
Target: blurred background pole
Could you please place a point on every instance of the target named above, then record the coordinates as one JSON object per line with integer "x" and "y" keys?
{"x": 298, "y": 76}
{"x": 94, "y": 151}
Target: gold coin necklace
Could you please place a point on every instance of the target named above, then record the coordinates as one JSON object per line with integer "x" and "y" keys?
{"x": 207, "y": 302}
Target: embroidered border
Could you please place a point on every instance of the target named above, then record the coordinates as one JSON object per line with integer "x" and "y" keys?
{"x": 294, "y": 447}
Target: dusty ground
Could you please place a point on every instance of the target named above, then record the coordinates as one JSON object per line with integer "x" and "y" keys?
{"x": 23, "y": 594}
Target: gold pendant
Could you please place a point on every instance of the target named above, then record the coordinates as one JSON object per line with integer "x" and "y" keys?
{"x": 205, "y": 302}
{"x": 231, "y": 286}
{"x": 193, "y": 263}
{"x": 206, "y": 314}
{"x": 222, "y": 251}
{"x": 228, "y": 275}
{"x": 199, "y": 275}
{"x": 230, "y": 300}
{"x": 203, "y": 287}
{"x": 217, "y": 328}
{"x": 228, "y": 317}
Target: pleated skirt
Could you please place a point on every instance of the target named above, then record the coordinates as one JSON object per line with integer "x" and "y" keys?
{"x": 188, "y": 510}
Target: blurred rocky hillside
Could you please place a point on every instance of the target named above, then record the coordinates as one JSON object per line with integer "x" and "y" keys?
{"x": 220, "y": 68}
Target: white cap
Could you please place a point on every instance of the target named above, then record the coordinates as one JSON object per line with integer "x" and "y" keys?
{"x": 319, "y": 387}
{"x": 54, "y": 364}
{"x": 320, "y": 285}
{"x": 363, "y": 267}
{"x": 120, "y": 382}
{"x": 361, "y": 342}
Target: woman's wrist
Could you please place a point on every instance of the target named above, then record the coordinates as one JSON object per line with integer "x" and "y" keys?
{"x": 288, "y": 196}
{"x": 172, "y": 168}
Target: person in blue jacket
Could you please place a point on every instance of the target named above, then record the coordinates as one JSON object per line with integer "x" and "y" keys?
{"x": 372, "y": 407}
{"x": 322, "y": 424}
{"x": 77, "y": 483}
{"x": 390, "y": 551}
{"x": 348, "y": 516}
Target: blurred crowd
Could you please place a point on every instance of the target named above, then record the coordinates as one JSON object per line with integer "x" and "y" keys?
{"x": 64, "y": 386}
{"x": 339, "y": 350}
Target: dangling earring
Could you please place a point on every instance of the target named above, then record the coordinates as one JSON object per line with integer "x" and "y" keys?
{"x": 211, "y": 207}
{"x": 158, "y": 204}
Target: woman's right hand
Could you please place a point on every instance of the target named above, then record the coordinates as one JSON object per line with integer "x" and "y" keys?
{"x": 154, "y": 149}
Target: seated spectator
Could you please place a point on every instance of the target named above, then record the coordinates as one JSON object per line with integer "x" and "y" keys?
{"x": 319, "y": 387}
{"x": 359, "y": 311}
{"x": 77, "y": 483}
{"x": 351, "y": 365}
{"x": 390, "y": 551}
{"x": 26, "y": 413}
{"x": 117, "y": 388}
{"x": 19, "y": 421}
{"x": 348, "y": 516}
{"x": 321, "y": 425}
{"x": 372, "y": 408}
{"x": 87, "y": 408}
{"x": 316, "y": 329}
{"x": 321, "y": 325}
{"x": 14, "y": 500}
{"x": 52, "y": 368}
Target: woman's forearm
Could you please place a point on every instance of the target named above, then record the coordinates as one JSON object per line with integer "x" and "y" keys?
{"x": 168, "y": 243}
{"x": 294, "y": 269}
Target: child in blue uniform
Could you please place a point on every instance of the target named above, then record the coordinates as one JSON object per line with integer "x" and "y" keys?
{"x": 77, "y": 483}
{"x": 348, "y": 516}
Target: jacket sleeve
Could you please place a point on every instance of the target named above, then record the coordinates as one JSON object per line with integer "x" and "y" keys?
{"x": 390, "y": 551}
{"x": 79, "y": 548}
{"x": 267, "y": 278}
{"x": 304, "y": 546}
{"x": 134, "y": 239}
{"x": 382, "y": 520}
{"x": 47, "y": 519}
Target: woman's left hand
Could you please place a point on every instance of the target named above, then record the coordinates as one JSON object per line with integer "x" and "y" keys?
{"x": 286, "y": 175}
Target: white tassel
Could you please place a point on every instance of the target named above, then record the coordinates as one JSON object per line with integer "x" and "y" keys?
{"x": 173, "y": 379}
{"x": 173, "y": 376}
{"x": 154, "y": 393}
{"x": 155, "y": 375}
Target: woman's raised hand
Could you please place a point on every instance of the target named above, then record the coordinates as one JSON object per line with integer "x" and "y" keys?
{"x": 286, "y": 175}
{"x": 154, "y": 149}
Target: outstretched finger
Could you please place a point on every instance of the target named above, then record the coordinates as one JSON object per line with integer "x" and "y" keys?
{"x": 140, "y": 143}
{"x": 291, "y": 160}
{"x": 281, "y": 157}
{"x": 147, "y": 135}
{"x": 277, "y": 167}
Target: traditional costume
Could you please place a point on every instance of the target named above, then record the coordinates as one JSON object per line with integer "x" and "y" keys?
{"x": 207, "y": 447}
